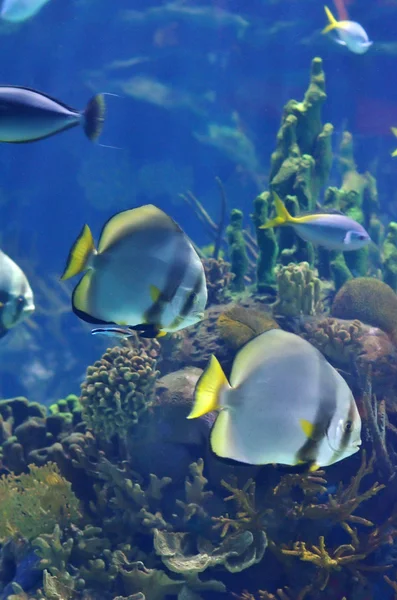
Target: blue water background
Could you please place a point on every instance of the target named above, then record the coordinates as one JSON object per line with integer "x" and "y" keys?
{"x": 217, "y": 75}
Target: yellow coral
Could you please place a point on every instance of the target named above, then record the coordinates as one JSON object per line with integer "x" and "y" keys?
{"x": 33, "y": 503}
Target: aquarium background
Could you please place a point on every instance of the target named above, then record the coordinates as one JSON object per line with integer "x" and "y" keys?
{"x": 197, "y": 97}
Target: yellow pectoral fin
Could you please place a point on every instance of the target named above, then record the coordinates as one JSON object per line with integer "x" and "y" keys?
{"x": 208, "y": 388}
{"x": 79, "y": 254}
{"x": 307, "y": 428}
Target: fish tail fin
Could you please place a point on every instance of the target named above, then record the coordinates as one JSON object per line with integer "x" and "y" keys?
{"x": 208, "y": 389}
{"x": 80, "y": 254}
{"x": 94, "y": 117}
{"x": 283, "y": 217}
{"x": 333, "y": 23}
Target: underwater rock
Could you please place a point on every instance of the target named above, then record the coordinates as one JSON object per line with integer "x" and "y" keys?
{"x": 299, "y": 290}
{"x": 119, "y": 387}
{"x": 166, "y": 441}
{"x": 238, "y": 325}
{"x": 370, "y": 301}
{"x": 346, "y": 343}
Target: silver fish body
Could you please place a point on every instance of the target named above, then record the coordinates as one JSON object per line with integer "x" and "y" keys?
{"x": 334, "y": 232}
{"x": 16, "y": 296}
{"x": 27, "y": 115}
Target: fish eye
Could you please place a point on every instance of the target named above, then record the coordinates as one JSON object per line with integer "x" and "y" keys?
{"x": 348, "y": 426}
{"x": 20, "y": 299}
{"x": 362, "y": 237}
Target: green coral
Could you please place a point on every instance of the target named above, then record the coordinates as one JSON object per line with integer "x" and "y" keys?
{"x": 119, "y": 388}
{"x": 370, "y": 301}
{"x": 237, "y": 251}
{"x": 389, "y": 256}
{"x": 303, "y": 157}
{"x": 68, "y": 408}
{"x": 267, "y": 245}
{"x": 33, "y": 503}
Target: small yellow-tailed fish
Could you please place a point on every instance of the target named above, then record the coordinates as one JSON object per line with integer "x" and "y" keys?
{"x": 333, "y": 231}
{"x": 16, "y": 296}
{"x": 394, "y": 131}
{"x": 145, "y": 275}
{"x": 348, "y": 33}
{"x": 285, "y": 404}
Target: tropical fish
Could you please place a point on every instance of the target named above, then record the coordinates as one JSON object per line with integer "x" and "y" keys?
{"x": 115, "y": 332}
{"x": 349, "y": 33}
{"x": 145, "y": 275}
{"x": 16, "y": 11}
{"x": 285, "y": 404}
{"x": 27, "y": 115}
{"x": 333, "y": 231}
{"x": 16, "y": 296}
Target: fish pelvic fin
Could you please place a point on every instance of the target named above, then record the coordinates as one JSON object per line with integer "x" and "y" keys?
{"x": 283, "y": 217}
{"x": 208, "y": 389}
{"x": 94, "y": 117}
{"x": 80, "y": 254}
{"x": 333, "y": 23}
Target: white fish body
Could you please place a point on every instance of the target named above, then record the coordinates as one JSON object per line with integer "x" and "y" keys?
{"x": 17, "y": 11}
{"x": 16, "y": 296}
{"x": 285, "y": 404}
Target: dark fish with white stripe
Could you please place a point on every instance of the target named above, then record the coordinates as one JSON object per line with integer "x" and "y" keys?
{"x": 27, "y": 115}
{"x": 16, "y": 296}
{"x": 285, "y": 404}
{"x": 145, "y": 275}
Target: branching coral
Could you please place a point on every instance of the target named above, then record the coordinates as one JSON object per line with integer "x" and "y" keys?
{"x": 33, "y": 503}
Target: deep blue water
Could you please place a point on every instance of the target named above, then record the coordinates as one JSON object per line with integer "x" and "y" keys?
{"x": 209, "y": 73}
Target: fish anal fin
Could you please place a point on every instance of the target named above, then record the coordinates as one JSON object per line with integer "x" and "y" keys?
{"x": 80, "y": 253}
{"x": 208, "y": 388}
{"x": 307, "y": 428}
{"x": 80, "y": 300}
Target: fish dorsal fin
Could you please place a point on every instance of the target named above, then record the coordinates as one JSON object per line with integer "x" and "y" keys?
{"x": 134, "y": 220}
{"x": 80, "y": 254}
{"x": 208, "y": 389}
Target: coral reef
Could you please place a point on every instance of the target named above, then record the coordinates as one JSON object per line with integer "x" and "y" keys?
{"x": 237, "y": 251}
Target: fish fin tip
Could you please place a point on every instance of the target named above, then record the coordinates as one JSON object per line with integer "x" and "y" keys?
{"x": 80, "y": 295}
{"x": 282, "y": 215}
{"x": 332, "y": 22}
{"x": 307, "y": 428}
{"x": 314, "y": 467}
{"x": 208, "y": 388}
{"x": 161, "y": 334}
{"x": 394, "y": 153}
{"x": 94, "y": 117}
{"x": 79, "y": 254}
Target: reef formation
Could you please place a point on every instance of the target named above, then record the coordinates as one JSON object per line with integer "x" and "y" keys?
{"x": 115, "y": 495}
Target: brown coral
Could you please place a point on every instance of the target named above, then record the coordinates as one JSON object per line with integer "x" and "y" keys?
{"x": 218, "y": 277}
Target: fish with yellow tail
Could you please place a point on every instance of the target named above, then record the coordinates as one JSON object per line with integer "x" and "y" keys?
{"x": 145, "y": 276}
{"x": 348, "y": 33}
{"x": 285, "y": 404}
{"x": 332, "y": 231}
